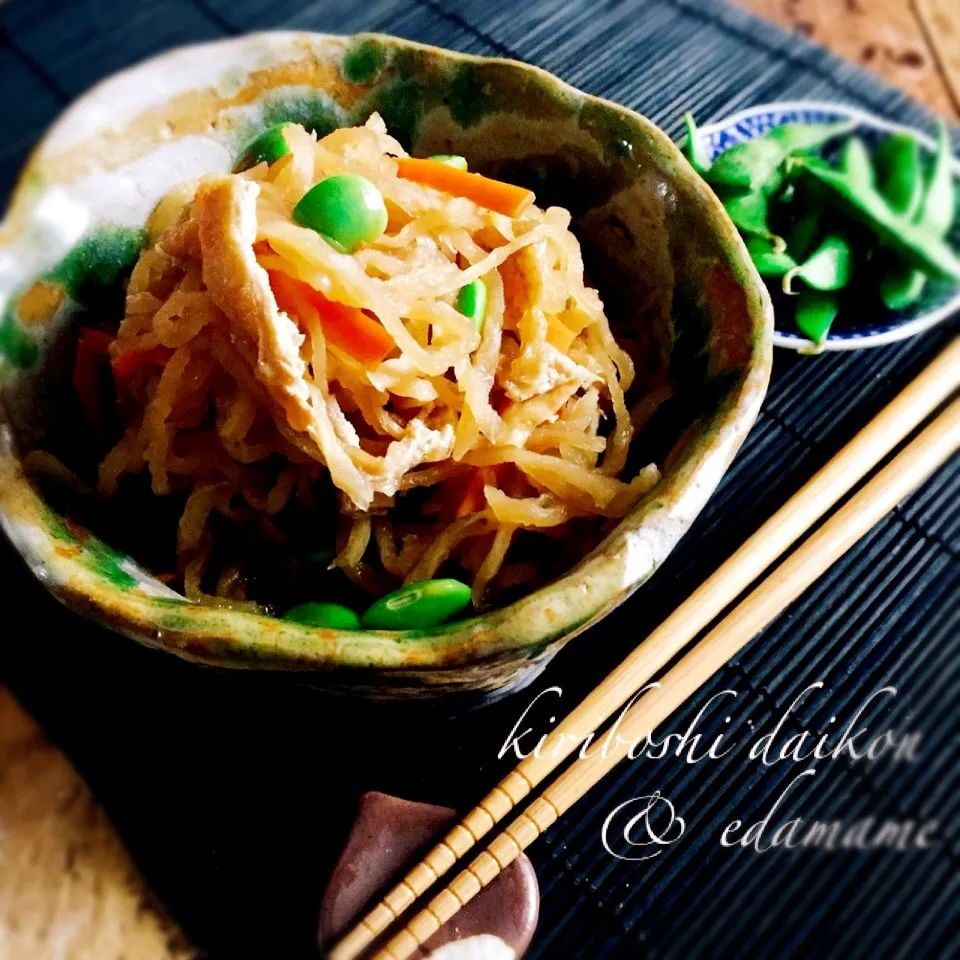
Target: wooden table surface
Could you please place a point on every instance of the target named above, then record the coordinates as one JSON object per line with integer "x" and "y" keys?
{"x": 912, "y": 44}
{"x": 67, "y": 888}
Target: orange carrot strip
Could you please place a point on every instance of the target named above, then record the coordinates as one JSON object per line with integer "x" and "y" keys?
{"x": 347, "y": 328}
{"x": 128, "y": 362}
{"x": 493, "y": 194}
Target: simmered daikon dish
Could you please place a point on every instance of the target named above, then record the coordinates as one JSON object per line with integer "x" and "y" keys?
{"x": 341, "y": 360}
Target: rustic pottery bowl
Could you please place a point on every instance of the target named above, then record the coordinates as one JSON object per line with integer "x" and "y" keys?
{"x": 676, "y": 279}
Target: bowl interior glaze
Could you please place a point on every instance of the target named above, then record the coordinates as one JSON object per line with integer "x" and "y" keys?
{"x": 678, "y": 285}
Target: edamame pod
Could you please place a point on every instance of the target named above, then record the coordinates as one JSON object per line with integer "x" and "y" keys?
{"x": 855, "y": 162}
{"x": 816, "y": 311}
{"x": 915, "y": 243}
{"x": 900, "y": 179}
{"x": 899, "y": 173}
{"x": 902, "y": 285}
{"x": 827, "y": 268}
{"x": 749, "y": 213}
{"x": 694, "y": 148}
{"x": 803, "y": 233}
{"x": 753, "y": 164}
{"x": 746, "y": 166}
{"x": 769, "y": 261}
{"x": 939, "y": 202}
{"x": 796, "y": 137}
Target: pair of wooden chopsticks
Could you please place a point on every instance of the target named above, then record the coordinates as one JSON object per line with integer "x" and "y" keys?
{"x": 904, "y": 473}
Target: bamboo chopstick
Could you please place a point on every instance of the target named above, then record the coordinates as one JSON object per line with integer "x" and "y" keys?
{"x": 822, "y": 549}
{"x": 902, "y": 415}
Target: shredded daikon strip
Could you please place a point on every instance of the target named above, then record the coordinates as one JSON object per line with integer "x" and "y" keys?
{"x": 440, "y": 549}
{"x": 491, "y": 563}
{"x": 542, "y": 511}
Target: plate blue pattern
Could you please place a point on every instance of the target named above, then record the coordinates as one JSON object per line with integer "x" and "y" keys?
{"x": 877, "y": 326}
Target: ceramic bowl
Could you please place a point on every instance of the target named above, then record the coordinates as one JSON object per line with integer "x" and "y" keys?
{"x": 674, "y": 274}
{"x": 872, "y": 327}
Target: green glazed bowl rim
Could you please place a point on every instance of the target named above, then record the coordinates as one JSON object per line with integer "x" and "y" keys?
{"x": 526, "y": 630}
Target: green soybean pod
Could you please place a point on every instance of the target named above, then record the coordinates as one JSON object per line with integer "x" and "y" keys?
{"x": 754, "y": 163}
{"x": 803, "y": 232}
{"x": 418, "y": 605}
{"x": 797, "y": 137}
{"x": 939, "y": 201}
{"x": 855, "y": 162}
{"x": 914, "y": 242}
{"x": 899, "y": 172}
{"x": 900, "y": 178}
{"x": 816, "y": 311}
{"x": 268, "y": 147}
{"x": 746, "y": 166}
{"x": 827, "y": 268}
{"x": 332, "y": 616}
{"x": 902, "y": 285}
{"x": 749, "y": 213}
{"x": 769, "y": 261}
{"x": 694, "y": 147}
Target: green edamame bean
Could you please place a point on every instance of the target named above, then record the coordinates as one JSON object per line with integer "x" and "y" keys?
{"x": 333, "y": 616}
{"x": 268, "y": 147}
{"x": 767, "y": 259}
{"x": 472, "y": 302}
{"x": 827, "y": 268}
{"x": 694, "y": 149}
{"x": 450, "y": 159}
{"x": 346, "y": 210}
{"x": 424, "y": 604}
{"x": 900, "y": 173}
{"x": 816, "y": 311}
{"x": 912, "y": 241}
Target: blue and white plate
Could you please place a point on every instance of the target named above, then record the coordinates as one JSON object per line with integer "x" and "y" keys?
{"x": 876, "y": 325}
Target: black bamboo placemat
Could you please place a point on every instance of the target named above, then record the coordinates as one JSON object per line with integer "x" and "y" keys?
{"x": 233, "y": 792}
